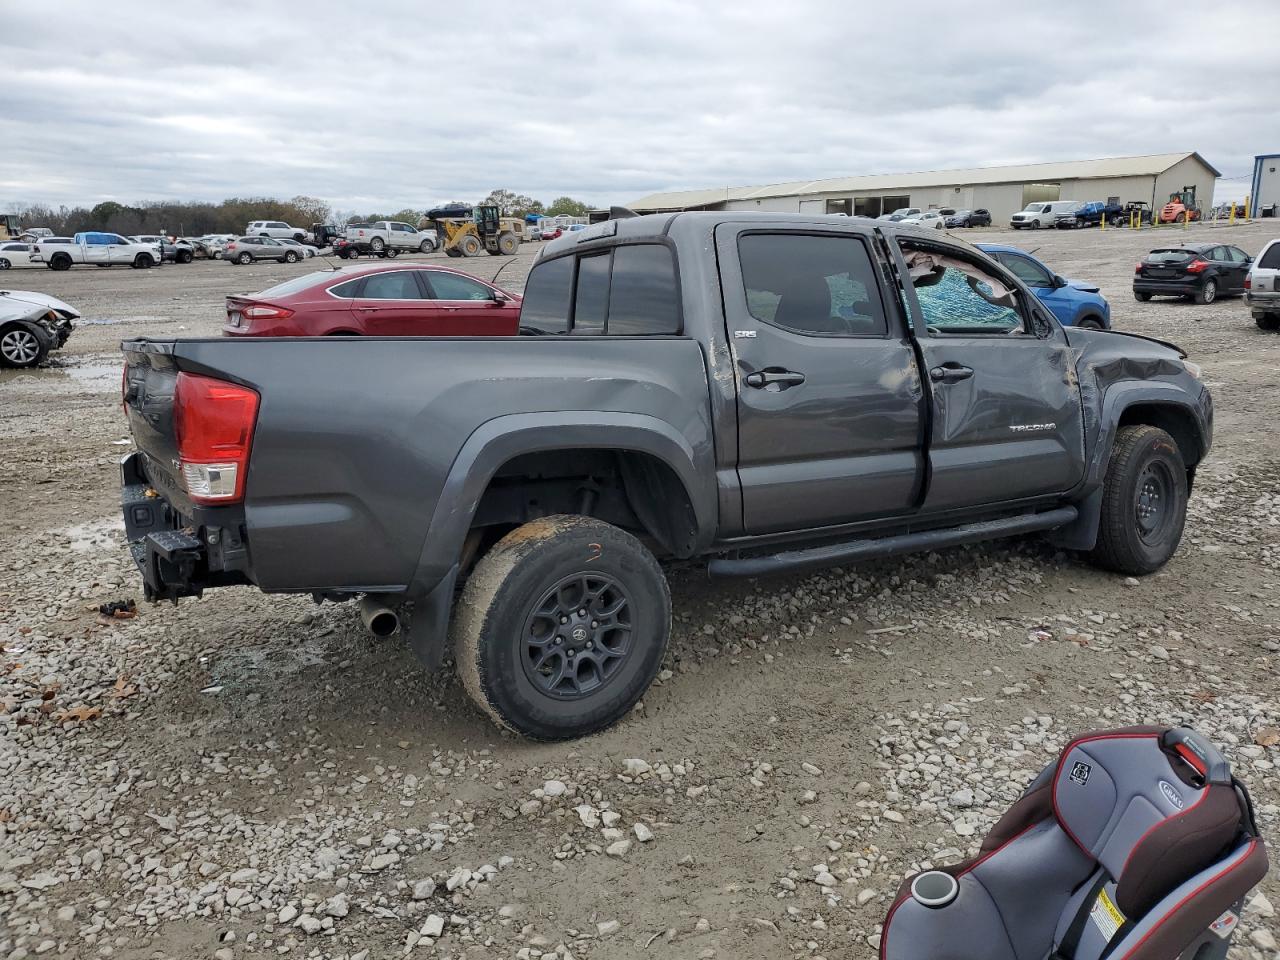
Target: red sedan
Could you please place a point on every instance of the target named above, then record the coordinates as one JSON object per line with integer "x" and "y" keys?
{"x": 378, "y": 300}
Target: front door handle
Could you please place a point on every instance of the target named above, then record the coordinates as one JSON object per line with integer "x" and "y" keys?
{"x": 774, "y": 377}
{"x": 950, "y": 373}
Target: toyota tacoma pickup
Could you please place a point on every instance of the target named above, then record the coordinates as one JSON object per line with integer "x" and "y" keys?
{"x": 768, "y": 392}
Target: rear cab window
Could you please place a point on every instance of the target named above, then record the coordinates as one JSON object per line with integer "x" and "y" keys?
{"x": 624, "y": 291}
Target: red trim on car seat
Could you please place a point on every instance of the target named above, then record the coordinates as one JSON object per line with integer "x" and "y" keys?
{"x": 1159, "y": 823}
{"x": 1188, "y": 755}
{"x": 884, "y": 936}
{"x": 1057, "y": 775}
{"x": 1191, "y": 896}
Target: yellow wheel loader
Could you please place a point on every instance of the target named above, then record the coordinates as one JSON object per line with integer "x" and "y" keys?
{"x": 487, "y": 230}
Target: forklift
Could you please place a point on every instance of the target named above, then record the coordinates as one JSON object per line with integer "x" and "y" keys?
{"x": 487, "y": 230}
{"x": 1181, "y": 202}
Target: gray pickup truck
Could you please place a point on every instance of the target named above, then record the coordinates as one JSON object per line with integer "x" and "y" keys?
{"x": 771, "y": 392}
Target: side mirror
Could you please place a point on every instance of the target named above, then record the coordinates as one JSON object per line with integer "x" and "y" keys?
{"x": 497, "y": 298}
{"x": 1059, "y": 281}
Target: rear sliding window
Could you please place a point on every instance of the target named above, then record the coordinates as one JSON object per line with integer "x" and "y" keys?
{"x": 628, "y": 291}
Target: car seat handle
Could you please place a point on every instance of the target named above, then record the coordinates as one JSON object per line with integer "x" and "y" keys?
{"x": 1199, "y": 753}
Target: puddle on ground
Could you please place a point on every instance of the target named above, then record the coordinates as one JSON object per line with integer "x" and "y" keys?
{"x": 63, "y": 375}
{"x": 93, "y": 534}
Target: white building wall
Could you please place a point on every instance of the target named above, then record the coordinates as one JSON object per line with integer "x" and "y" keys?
{"x": 1126, "y": 188}
{"x": 1003, "y": 200}
{"x": 1268, "y": 184}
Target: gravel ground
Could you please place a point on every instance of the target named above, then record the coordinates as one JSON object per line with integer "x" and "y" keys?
{"x": 248, "y": 776}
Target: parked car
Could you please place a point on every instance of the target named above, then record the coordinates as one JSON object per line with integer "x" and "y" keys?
{"x": 171, "y": 251}
{"x": 31, "y": 325}
{"x": 900, "y": 214}
{"x": 324, "y": 234}
{"x": 15, "y": 255}
{"x": 930, "y": 220}
{"x": 249, "y": 249}
{"x": 1201, "y": 271}
{"x": 100, "y": 249}
{"x": 345, "y": 249}
{"x": 533, "y": 231}
{"x": 1037, "y": 215}
{"x": 671, "y": 364}
{"x": 551, "y": 231}
{"x": 969, "y": 218}
{"x": 392, "y": 237}
{"x": 1261, "y": 287}
{"x": 1076, "y": 303}
{"x": 214, "y": 243}
{"x": 274, "y": 228}
{"x": 380, "y": 299}
{"x": 37, "y": 233}
{"x": 305, "y": 251}
{"x": 1090, "y": 214}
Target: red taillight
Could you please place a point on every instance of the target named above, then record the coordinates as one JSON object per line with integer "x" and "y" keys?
{"x": 1138, "y": 267}
{"x": 1248, "y": 283}
{"x": 214, "y": 422}
{"x": 1197, "y": 266}
{"x": 261, "y": 312}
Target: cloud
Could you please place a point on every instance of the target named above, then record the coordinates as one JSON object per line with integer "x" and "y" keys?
{"x": 410, "y": 104}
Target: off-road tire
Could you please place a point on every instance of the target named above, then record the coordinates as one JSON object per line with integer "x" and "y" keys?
{"x": 1142, "y": 297}
{"x": 1121, "y": 545}
{"x": 1208, "y": 292}
{"x": 470, "y": 246}
{"x": 508, "y": 244}
{"x": 498, "y": 602}
{"x": 1268, "y": 321}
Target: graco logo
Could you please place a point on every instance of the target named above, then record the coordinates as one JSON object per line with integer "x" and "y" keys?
{"x": 1080, "y": 772}
{"x": 1171, "y": 794}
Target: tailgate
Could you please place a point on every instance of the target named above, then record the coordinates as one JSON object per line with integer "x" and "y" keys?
{"x": 150, "y": 375}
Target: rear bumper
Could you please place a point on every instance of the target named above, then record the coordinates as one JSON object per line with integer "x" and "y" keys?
{"x": 1263, "y": 302}
{"x": 178, "y": 556}
{"x": 1168, "y": 288}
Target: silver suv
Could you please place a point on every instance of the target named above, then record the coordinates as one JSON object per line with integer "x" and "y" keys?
{"x": 1262, "y": 287}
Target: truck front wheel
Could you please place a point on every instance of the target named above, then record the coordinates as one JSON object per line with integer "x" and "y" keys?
{"x": 562, "y": 626}
{"x": 1144, "y": 502}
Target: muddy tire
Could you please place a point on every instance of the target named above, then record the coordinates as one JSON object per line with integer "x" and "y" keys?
{"x": 470, "y": 246}
{"x": 561, "y": 627}
{"x": 508, "y": 244}
{"x": 1144, "y": 502}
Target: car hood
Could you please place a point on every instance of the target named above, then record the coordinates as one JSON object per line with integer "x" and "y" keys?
{"x": 25, "y": 299}
{"x": 1084, "y": 286}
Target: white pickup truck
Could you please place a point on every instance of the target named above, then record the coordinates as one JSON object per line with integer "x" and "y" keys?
{"x": 100, "y": 249}
{"x": 393, "y": 237}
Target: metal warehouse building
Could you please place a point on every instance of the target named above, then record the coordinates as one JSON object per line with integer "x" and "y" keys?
{"x": 1264, "y": 188}
{"x": 1001, "y": 190}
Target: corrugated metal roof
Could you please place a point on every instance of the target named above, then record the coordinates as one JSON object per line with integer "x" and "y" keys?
{"x": 1022, "y": 173}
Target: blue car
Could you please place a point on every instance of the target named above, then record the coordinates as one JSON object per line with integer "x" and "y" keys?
{"x": 1076, "y": 303}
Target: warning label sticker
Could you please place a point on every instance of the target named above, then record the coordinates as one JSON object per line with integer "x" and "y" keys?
{"x": 1106, "y": 916}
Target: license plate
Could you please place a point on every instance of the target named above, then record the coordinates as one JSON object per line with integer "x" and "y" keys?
{"x": 234, "y": 319}
{"x": 1160, "y": 274}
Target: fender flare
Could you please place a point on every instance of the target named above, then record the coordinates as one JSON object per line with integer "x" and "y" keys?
{"x": 1082, "y": 533}
{"x": 499, "y": 440}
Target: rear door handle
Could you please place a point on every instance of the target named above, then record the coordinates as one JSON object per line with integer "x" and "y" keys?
{"x": 950, "y": 373}
{"x": 773, "y": 377}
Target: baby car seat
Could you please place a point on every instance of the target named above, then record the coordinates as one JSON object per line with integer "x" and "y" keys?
{"x": 1137, "y": 844}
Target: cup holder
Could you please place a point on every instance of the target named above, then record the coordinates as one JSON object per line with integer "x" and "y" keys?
{"x": 934, "y": 889}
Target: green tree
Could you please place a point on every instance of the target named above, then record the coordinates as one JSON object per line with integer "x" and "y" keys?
{"x": 510, "y": 204}
{"x": 567, "y": 206}
{"x": 103, "y": 213}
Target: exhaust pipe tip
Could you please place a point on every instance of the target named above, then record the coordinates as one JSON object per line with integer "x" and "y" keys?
{"x": 378, "y": 618}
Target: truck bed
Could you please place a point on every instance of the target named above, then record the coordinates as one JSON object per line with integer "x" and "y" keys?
{"x": 356, "y": 437}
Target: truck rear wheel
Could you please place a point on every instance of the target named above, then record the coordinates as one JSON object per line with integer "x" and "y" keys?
{"x": 562, "y": 626}
{"x": 1268, "y": 321}
{"x": 1144, "y": 502}
{"x": 508, "y": 244}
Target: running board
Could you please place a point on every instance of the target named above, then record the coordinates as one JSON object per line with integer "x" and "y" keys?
{"x": 855, "y": 550}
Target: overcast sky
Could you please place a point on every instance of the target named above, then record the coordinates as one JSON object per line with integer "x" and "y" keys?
{"x": 384, "y": 105}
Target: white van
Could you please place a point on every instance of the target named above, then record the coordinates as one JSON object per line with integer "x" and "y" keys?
{"x": 1045, "y": 214}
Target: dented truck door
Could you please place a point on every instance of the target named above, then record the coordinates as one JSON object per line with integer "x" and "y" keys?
{"x": 1005, "y": 402}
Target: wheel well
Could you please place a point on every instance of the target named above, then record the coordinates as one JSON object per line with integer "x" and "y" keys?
{"x": 630, "y": 489}
{"x": 1176, "y": 422}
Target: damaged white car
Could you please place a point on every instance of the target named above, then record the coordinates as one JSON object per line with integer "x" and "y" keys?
{"x": 31, "y": 325}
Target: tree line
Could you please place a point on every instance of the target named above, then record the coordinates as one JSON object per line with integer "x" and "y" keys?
{"x": 196, "y": 218}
